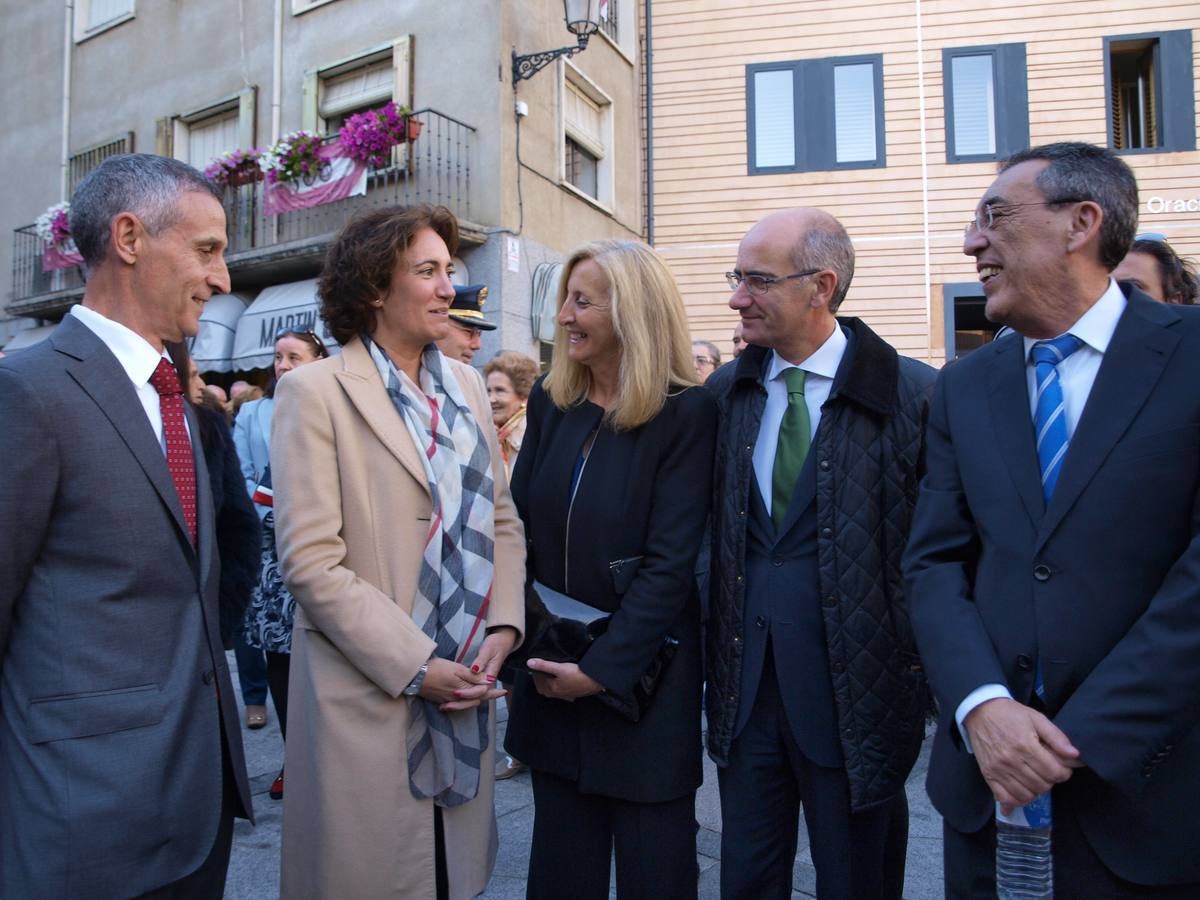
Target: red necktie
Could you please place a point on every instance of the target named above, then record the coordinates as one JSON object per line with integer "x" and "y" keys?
{"x": 180, "y": 461}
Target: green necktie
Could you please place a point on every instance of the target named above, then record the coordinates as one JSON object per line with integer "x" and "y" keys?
{"x": 792, "y": 447}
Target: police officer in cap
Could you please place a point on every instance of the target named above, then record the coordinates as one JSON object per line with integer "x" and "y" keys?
{"x": 467, "y": 323}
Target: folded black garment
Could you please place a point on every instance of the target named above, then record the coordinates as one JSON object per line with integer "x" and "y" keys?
{"x": 560, "y": 628}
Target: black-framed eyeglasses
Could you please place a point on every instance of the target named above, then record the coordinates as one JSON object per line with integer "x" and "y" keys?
{"x": 986, "y": 215}
{"x": 760, "y": 284}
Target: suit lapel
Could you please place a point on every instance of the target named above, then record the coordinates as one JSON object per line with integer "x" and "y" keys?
{"x": 360, "y": 380}
{"x": 1131, "y": 368}
{"x": 99, "y": 374}
{"x": 1012, "y": 422}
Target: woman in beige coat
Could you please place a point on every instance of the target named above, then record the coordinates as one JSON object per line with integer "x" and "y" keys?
{"x": 398, "y": 537}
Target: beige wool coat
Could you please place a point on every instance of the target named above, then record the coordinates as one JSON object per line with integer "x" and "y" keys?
{"x": 352, "y": 509}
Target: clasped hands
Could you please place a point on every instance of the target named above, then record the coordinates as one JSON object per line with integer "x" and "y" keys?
{"x": 1020, "y": 752}
{"x": 454, "y": 686}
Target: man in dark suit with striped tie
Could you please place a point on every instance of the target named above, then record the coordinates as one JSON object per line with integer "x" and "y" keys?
{"x": 120, "y": 753}
{"x": 1054, "y": 561}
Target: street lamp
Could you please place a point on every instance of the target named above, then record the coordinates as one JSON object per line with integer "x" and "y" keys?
{"x": 582, "y": 18}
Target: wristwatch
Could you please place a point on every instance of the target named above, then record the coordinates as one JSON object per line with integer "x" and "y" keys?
{"x": 414, "y": 686}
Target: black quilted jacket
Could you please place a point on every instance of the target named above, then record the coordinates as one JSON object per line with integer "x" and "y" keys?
{"x": 869, "y": 455}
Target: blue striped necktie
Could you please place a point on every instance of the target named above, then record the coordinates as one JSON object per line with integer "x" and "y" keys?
{"x": 1050, "y": 417}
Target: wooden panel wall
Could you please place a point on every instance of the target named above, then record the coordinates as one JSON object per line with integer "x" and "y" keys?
{"x": 906, "y": 219}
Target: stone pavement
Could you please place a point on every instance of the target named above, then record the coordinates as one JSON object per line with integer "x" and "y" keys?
{"x": 254, "y": 867}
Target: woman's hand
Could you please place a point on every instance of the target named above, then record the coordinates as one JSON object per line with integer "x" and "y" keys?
{"x": 494, "y": 650}
{"x": 562, "y": 681}
{"x": 453, "y": 686}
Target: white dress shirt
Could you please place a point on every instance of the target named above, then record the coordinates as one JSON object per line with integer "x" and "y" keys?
{"x": 136, "y": 356}
{"x": 820, "y": 368}
{"x": 1076, "y": 375}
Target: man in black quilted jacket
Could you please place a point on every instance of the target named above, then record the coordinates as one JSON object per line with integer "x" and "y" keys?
{"x": 815, "y": 694}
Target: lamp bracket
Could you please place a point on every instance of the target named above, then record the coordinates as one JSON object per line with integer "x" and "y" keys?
{"x": 528, "y": 64}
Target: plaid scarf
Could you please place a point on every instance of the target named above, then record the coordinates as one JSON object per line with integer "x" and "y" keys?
{"x": 445, "y": 750}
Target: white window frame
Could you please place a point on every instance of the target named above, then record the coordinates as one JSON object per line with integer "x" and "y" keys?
{"x": 244, "y": 102}
{"x": 627, "y": 21}
{"x": 603, "y": 152}
{"x": 83, "y": 11}
{"x": 400, "y": 51}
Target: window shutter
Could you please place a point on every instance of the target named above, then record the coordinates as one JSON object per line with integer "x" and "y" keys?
{"x": 774, "y": 118}
{"x": 361, "y": 87}
{"x": 974, "y": 104}
{"x": 854, "y": 113}
{"x": 101, "y": 11}
{"x": 209, "y": 138}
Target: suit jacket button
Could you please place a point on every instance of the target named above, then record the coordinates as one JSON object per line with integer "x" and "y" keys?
{"x": 207, "y": 677}
{"x": 760, "y": 622}
{"x": 1041, "y": 572}
{"x": 1024, "y": 663}
{"x": 777, "y": 563}
{"x": 826, "y": 532}
{"x": 824, "y": 465}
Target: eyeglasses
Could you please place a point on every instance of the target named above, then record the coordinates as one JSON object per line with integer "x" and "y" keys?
{"x": 987, "y": 215}
{"x": 758, "y": 284}
{"x": 704, "y": 360}
{"x": 469, "y": 329}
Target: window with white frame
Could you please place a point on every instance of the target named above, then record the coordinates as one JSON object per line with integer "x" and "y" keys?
{"x": 200, "y": 136}
{"x": 94, "y": 16}
{"x": 367, "y": 86}
{"x": 368, "y": 80}
{"x": 587, "y": 137}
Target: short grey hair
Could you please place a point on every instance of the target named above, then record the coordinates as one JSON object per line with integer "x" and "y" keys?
{"x": 146, "y": 185}
{"x": 828, "y": 246}
{"x": 1079, "y": 171}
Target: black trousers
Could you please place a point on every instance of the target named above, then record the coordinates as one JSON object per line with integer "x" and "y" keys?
{"x": 575, "y": 834}
{"x": 1079, "y": 874}
{"x": 279, "y": 666}
{"x": 767, "y": 780}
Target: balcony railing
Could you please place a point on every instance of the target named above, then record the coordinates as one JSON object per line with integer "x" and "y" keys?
{"x": 435, "y": 168}
{"x": 28, "y": 279}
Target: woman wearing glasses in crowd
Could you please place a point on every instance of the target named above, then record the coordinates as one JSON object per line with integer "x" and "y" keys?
{"x": 268, "y": 623}
{"x": 1159, "y": 271}
{"x": 613, "y": 484}
{"x": 399, "y": 540}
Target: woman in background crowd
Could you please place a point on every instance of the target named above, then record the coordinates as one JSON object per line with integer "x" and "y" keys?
{"x": 237, "y": 524}
{"x": 613, "y": 484}
{"x": 510, "y": 376}
{"x": 268, "y": 625}
{"x": 1159, "y": 271}
{"x": 399, "y": 540}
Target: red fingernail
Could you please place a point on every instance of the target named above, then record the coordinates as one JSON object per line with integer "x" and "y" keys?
{"x": 475, "y": 669}
{"x": 491, "y": 678}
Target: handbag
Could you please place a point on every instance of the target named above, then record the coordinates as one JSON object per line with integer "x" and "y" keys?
{"x": 561, "y": 629}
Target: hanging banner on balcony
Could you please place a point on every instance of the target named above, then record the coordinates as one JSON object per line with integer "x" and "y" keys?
{"x": 60, "y": 256}
{"x": 335, "y": 177}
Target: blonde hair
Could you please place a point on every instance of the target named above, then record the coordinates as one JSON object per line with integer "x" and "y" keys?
{"x": 651, "y": 328}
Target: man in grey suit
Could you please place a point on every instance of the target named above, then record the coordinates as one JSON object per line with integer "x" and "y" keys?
{"x": 121, "y": 763}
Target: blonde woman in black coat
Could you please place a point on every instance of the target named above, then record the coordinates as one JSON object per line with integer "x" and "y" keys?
{"x": 613, "y": 484}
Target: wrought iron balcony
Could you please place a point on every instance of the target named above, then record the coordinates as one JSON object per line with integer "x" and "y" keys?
{"x": 434, "y": 168}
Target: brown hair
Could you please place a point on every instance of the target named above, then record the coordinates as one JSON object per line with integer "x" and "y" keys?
{"x": 521, "y": 370}
{"x": 360, "y": 261}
